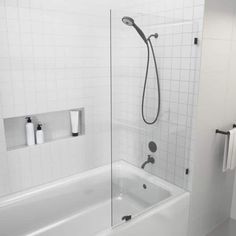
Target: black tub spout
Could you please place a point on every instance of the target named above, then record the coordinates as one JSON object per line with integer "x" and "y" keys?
{"x": 149, "y": 160}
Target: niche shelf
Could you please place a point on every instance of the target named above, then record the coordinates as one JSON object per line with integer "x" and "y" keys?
{"x": 56, "y": 126}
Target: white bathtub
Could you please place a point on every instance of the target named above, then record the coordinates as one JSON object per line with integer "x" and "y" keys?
{"x": 81, "y": 205}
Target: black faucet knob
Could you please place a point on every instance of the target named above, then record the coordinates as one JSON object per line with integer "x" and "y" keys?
{"x": 151, "y": 159}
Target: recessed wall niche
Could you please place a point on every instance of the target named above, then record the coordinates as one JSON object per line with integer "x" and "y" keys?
{"x": 56, "y": 125}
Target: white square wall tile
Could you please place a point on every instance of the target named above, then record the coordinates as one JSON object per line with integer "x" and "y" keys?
{"x": 48, "y": 55}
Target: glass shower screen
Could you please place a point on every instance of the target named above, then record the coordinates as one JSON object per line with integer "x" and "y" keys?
{"x": 152, "y": 87}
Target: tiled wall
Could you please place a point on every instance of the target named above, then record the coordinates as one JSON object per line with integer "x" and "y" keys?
{"x": 54, "y": 55}
{"x": 212, "y": 189}
{"x": 178, "y": 61}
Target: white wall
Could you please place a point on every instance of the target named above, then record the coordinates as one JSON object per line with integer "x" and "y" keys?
{"x": 54, "y": 55}
{"x": 212, "y": 189}
{"x": 233, "y": 207}
{"x": 233, "y": 65}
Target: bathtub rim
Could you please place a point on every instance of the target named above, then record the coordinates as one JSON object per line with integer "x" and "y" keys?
{"x": 152, "y": 210}
{"x": 119, "y": 165}
{"x": 148, "y": 212}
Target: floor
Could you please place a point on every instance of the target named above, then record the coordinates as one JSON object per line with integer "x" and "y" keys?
{"x": 226, "y": 229}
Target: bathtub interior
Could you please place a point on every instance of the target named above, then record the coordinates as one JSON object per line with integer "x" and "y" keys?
{"x": 135, "y": 191}
{"x": 84, "y": 199}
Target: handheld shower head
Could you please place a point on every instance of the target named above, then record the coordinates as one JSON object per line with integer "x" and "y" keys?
{"x": 130, "y": 22}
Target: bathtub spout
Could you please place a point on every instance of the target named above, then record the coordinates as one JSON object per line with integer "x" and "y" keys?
{"x": 149, "y": 160}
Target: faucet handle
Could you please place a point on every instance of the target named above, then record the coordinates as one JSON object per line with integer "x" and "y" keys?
{"x": 151, "y": 159}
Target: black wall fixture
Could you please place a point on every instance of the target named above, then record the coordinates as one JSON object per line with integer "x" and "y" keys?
{"x": 152, "y": 146}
